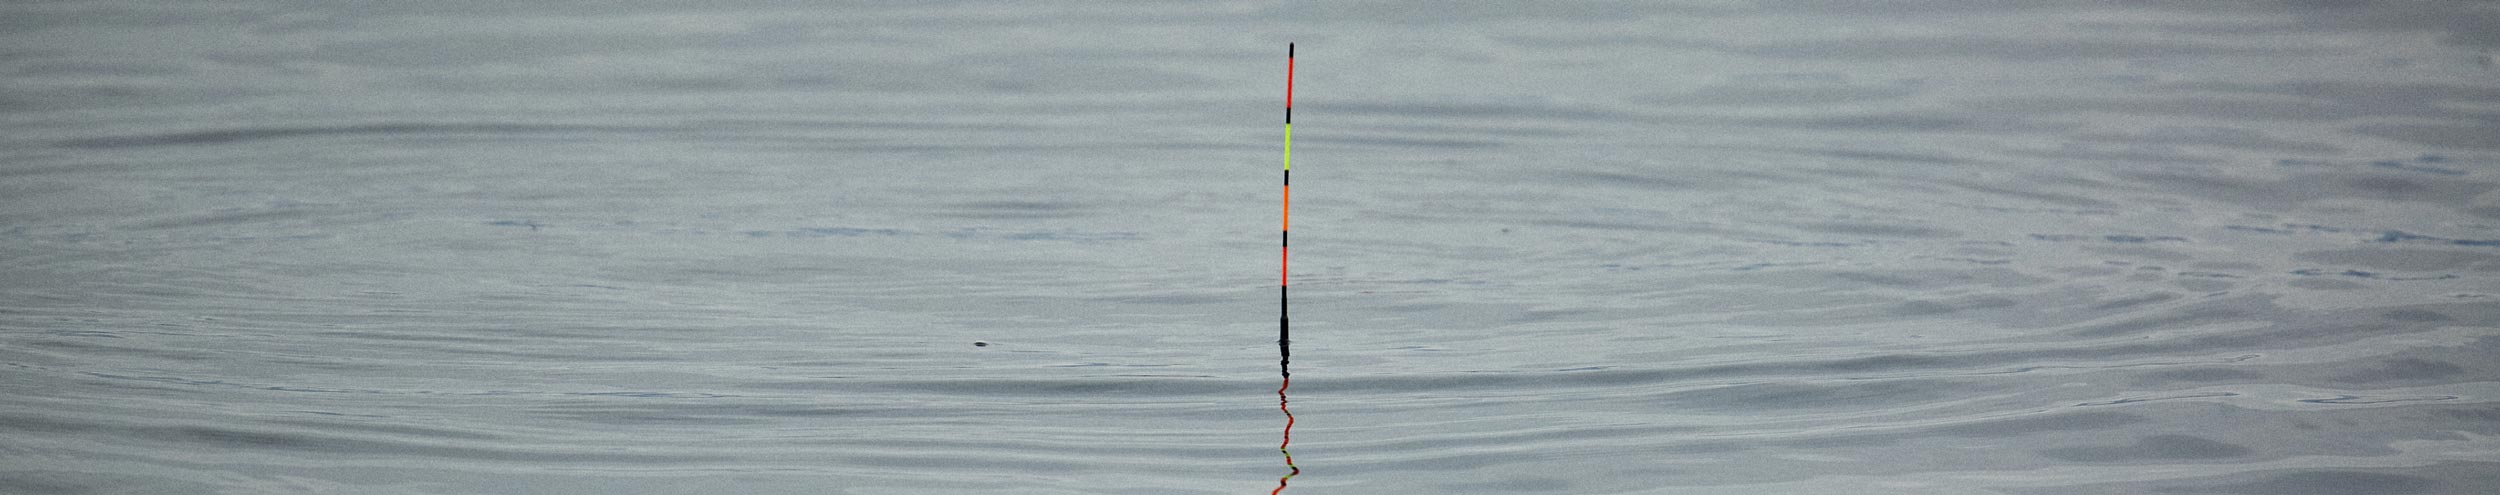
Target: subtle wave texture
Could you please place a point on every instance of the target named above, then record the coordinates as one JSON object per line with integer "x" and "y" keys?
{"x": 1640, "y": 248}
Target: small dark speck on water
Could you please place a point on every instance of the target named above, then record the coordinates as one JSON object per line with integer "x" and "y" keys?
{"x": 980, "y": 343}
{"x": 532, "y": 224}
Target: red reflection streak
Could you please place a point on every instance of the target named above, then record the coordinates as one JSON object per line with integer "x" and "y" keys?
{"x": 1280, "y": 406}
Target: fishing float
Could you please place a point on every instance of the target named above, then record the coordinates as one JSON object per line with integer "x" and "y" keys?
{"x": 1284, "y": 231}
{"x": 1284, "y": 258}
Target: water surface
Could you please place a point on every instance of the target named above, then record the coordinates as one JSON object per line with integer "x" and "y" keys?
{"x": 1716, "y": 247}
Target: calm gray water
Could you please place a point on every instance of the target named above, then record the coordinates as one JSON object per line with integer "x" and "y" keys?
{"x": 746, "y": 247}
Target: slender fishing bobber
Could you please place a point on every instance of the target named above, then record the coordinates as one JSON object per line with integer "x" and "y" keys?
{"x": 1284, "y": 338}
{"x": 1284, "y": 232}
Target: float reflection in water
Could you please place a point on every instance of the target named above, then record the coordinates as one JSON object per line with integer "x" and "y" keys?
{"x": 1284, "y": 364}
